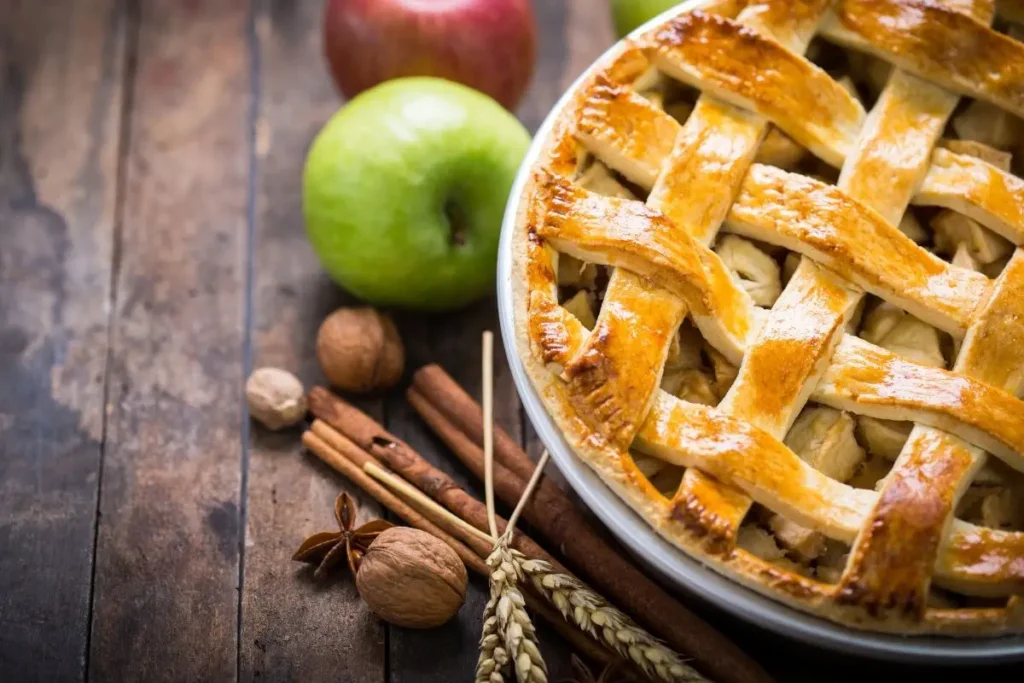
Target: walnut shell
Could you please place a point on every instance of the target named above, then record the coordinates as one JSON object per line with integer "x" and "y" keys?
{"x": 276, "y": 398}
{"x": 359, "y": 350}
{"x": 412, "y": 579}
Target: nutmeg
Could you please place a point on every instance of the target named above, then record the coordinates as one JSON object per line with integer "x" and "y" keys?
{"x": 410, "y": 578}
{"x": 276, "y": 397}
{"x": 359, "y": 350}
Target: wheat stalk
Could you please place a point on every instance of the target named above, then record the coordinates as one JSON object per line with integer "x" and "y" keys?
{"x": 505, "y": 613}
{"x": 603, "y": 622}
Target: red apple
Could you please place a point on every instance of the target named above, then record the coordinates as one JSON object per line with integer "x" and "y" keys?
{"x": 489, "y": 45}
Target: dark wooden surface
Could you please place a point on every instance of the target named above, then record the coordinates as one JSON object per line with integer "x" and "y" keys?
{"x": 151, "y": 252}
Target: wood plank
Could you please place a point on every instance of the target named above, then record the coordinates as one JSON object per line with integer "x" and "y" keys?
{"x": 61, "y": 70}
{"x": 167, "y": 556}
{"x": 295, "y": 628}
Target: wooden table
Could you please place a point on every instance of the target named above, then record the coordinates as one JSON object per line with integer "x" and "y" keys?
{"x": 152, "y": 252}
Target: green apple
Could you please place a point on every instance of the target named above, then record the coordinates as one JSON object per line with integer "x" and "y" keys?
{"x": 628, "y": 14}
{"x": 404, "y": 192}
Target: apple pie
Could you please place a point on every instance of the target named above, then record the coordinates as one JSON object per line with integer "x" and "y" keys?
{"x": 766, "y": 279}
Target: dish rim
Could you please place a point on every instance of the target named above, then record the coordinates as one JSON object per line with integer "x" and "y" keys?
{"x": 658, "y": 554}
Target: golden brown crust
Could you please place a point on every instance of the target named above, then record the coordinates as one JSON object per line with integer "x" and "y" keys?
{"x": 755, "y": 72}
{"x": 869, "y": 380}
{"x": 899, "y": 133}
{"x": 619, "y": 232}
{"x": 820, "y": 221}
{"x": 806, "y": 323}
{"x": 630, "y": 333}
{"x": 634, "y": 134}
{"x": 937, "y": 43}
{"x": 890, "y": 568}
{"x": 976, "y": 189}
{"x": 697, "y": 196}
{"x": 602, "y": 387}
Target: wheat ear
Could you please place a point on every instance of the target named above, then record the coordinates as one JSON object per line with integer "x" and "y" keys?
{"x": 595, "y": 616}
{"x": 493, "y": 655}
{"x": 517, "y": 630}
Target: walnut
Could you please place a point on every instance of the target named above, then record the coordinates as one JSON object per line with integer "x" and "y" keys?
{"x": 359, "y": 350}
{"x": 412, "y": 579}
{"x": 276, "y": 398}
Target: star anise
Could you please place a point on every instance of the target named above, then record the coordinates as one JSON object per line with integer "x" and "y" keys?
{"x": 327, "y": 548}
{"x": 583, "y": 674}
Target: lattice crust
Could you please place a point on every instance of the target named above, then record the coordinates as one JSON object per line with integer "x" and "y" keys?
{"x": 604, "y": 378}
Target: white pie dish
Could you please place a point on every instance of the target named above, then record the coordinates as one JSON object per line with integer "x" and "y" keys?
{"x": 661, "y": 556}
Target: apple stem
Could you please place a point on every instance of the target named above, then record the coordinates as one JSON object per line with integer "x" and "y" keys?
{"x": 456, "y": 222}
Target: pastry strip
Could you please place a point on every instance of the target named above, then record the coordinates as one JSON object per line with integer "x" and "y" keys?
{"x": 937, "y": 43}
{"x": 869, "y": 380}
{"x": 822, "y": 222}
{"x": 976, "y": 189}
{"x": 751, "y": 70}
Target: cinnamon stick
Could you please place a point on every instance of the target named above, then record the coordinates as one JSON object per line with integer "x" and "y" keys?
{"x": 323, "y": 450}
{"x": 465, "y": 413}
{"x": 371, "y": 437}
{"x": 360, "y": 458}
{"x": 458, "y": 421}
{"x": 346, "y": 465}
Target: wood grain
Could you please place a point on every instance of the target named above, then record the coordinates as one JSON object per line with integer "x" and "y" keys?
{"x": 294, "y": 628}
{"x": 60, "y": 108}
{"x": 166, "y": 575}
